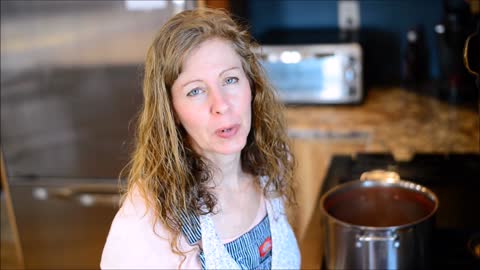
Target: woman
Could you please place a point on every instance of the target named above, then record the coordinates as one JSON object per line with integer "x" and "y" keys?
{"x": 212, "y": 169}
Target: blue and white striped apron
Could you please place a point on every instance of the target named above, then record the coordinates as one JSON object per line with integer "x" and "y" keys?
{"x": 252, "y": 250}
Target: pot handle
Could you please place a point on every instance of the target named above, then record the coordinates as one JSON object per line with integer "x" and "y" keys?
{"x": 365, "y": 238}
{"x": 380, "y": 175}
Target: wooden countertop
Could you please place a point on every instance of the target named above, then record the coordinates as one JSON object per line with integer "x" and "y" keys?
{"x": 392, "y": 120}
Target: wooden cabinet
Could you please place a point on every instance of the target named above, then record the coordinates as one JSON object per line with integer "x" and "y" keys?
{"x": 225, "y": 4}
{"x": 313, "y": 150}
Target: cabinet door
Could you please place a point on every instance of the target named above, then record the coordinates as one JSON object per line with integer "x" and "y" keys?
{"x": 313, "y": 154}
{"x": 313, "y": 150}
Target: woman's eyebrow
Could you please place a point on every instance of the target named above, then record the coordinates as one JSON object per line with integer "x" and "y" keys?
{"x": 228, "y": 69}
{"x": 198, "y": 80}
{"x": 189, "y": 82}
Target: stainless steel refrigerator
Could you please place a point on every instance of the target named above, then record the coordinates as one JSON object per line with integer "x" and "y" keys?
{"x": 70, "y": 88}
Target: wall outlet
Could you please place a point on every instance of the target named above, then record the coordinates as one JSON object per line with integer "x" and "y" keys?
{"x": 348, "y": 15}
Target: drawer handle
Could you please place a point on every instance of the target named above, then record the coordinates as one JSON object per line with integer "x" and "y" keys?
{"x": 84, "y": 195}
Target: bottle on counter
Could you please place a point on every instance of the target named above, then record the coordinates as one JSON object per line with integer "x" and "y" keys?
{"x": 415, "y": 62}
{"x": 455, "y": 84}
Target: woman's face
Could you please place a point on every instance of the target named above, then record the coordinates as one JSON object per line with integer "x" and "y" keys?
{"x": 212, "y": 99}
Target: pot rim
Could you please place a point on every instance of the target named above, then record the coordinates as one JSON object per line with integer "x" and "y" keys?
{"x": 406, "y": 184}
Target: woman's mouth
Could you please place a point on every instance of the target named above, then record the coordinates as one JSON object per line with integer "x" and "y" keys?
{"x": 227, "y": 132}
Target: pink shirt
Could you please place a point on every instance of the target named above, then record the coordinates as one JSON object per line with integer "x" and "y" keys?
{"x": 131, "y": 242}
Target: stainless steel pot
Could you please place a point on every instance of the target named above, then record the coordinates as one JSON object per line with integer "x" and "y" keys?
{"x": 378, "y": 222}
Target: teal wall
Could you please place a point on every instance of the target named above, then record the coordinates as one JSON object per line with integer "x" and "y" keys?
{"x": 387, "y": 22}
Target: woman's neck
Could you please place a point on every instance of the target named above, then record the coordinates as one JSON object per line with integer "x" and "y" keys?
{"x": 228, "y": 173}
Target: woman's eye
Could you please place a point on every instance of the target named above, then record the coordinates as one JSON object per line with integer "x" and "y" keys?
{"x": 231, "y": 80}
{"x": 194, "y": 92}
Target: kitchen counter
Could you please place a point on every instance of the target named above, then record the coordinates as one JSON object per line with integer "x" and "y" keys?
{"x": 395, "y": 119}
{"x": 390, "y": 120}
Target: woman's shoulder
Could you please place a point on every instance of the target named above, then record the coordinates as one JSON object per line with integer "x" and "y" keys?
{"x": 133, "y": 211}
{"x": 134, "y": 241}
{"x": 134, "y": 207}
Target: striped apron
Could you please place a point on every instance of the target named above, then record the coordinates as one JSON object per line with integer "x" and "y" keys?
{"x": 252, "y": 250}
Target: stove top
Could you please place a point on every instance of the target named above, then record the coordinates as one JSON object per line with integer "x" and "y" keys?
{"x": 454, "y": 178}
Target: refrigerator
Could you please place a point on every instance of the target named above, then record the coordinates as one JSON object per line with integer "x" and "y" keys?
{"x": 71, "y": 78}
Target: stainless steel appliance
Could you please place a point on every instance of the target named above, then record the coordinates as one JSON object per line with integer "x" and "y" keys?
{"x": 70, "y": 88}
{"x": 65, "y": 137}
{"x": 455, "y": 242}
{"x": 314, "y": 73}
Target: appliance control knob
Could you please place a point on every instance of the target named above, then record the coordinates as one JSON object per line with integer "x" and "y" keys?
{"x": 351, "y": 61}
{"x": 349, "y": 74}
{"x": 352, "y": 91}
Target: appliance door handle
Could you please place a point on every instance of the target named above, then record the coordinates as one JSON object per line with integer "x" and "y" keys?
{"x": 87, "y": 195}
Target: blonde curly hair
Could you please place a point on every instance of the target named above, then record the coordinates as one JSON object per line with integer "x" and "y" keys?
{"x": 165, "y": 170}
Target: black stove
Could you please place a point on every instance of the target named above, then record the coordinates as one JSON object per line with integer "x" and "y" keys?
{"x": 455, "y": 179}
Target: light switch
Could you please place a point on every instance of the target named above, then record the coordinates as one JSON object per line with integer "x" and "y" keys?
{"x": 348, "y": 15}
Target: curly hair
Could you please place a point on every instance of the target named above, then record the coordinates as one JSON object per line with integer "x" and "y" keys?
{"x": 165, "y": 170}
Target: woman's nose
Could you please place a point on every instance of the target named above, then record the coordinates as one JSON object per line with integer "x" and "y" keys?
{"x": 219, "y": 103}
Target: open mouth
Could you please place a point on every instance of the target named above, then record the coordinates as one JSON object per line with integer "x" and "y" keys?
{"x": 227, "y": 132}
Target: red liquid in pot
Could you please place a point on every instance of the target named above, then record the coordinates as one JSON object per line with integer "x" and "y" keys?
{"x": 379, "y": 206}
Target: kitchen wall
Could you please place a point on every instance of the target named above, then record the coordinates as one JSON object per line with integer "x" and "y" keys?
{"x": 384, "y": 25}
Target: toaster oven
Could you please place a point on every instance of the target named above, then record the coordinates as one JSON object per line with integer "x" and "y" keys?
{"x": 314, "y": 73}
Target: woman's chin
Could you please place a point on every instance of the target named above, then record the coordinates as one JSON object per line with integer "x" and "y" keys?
{"x": 230, "y": 149}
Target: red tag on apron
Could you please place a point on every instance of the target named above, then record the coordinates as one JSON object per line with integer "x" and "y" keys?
{"x": 265, "y": 247}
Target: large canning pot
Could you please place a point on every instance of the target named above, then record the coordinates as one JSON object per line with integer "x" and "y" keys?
{"x": 378, "y": 222}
